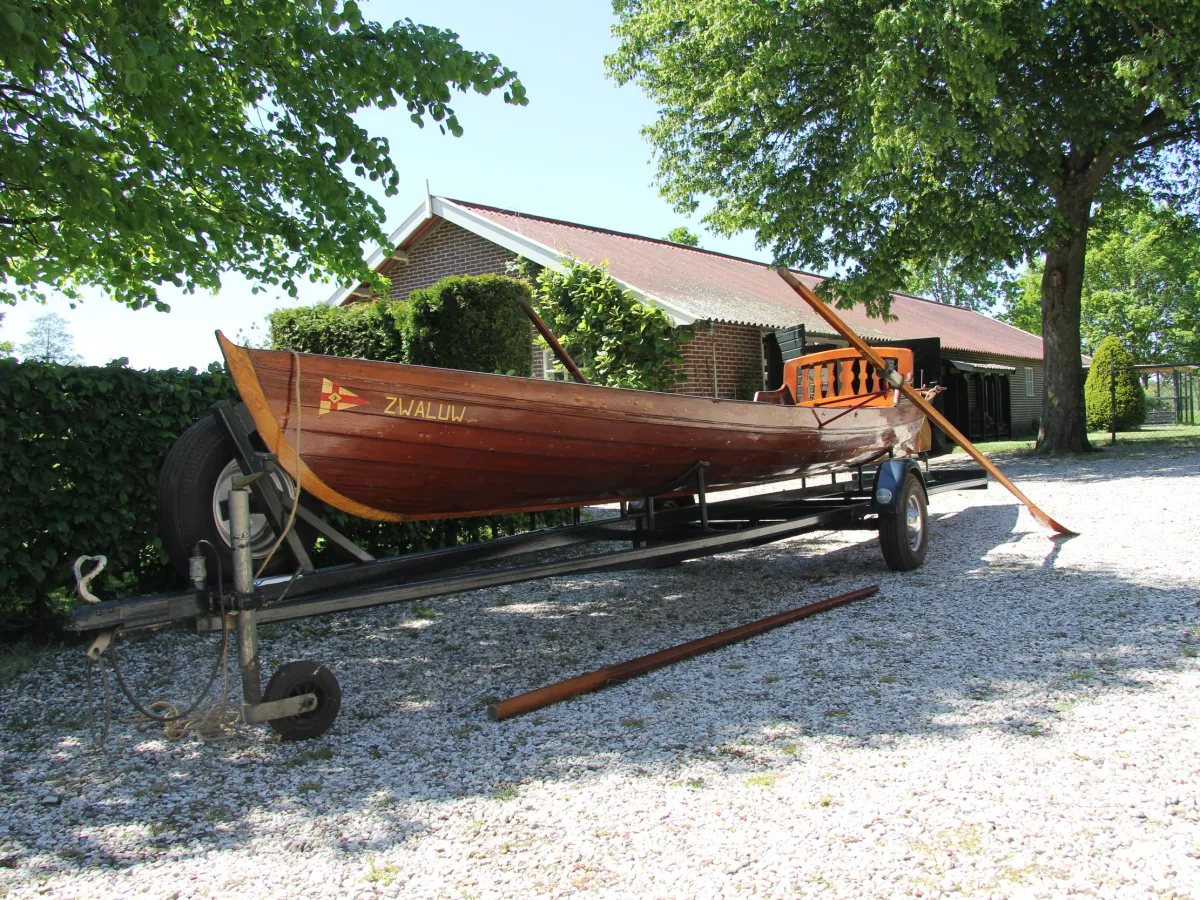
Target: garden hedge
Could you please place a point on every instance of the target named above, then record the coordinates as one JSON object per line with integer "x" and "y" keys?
{"x": 1131, "y": 398}
{"x": 80, "y": 450}
{"x": 358, "y": 331}
{"x": 471, "y": 322}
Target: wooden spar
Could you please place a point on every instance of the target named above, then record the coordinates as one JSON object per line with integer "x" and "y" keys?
{"x": 924, "y": 405}
{"x": 523, "y": 703}
{"x": 545, "y": 332}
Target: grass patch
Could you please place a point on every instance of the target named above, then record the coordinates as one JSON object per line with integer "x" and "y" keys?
{"x": 420, "y": 611}
{"x": 633, "y": 723}
{"x": 836, "y": 713}
{"x": 772, "y": 679}
{"x": 383, "y": 875}
{"x": 1082, "y": 675}
{"x": 505, "y": 792}
{"x": 320, "y": 754}
{"x": 1176, "y": 436}
{"x": 764, "y": 780}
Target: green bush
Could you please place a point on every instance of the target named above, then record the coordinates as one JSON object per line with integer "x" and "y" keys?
{"x": 469, "y": 322}
{"x": 80, "y": 450}
{"x": 613, "y": 338}
{"x": 1131, "y": 398}
{"x": 358, "y": 331}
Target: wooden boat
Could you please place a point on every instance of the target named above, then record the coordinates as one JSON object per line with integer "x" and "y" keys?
{"x": 395, "y": 442}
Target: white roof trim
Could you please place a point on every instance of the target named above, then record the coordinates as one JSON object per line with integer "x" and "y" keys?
{"x": 510, "y": 240}
{"x": 416, "y": 219}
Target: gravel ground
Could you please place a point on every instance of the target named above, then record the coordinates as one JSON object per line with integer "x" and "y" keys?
{"x": 1017, "y": 718}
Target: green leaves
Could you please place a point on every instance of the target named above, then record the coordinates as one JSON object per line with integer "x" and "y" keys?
{"x": 857, "y": 137}
{"x": 1142, "y": 280}
{"x": 1098, "y": 390}
{"x": 615, "y": 339}
{"x": 473, "y": 323}
{"x": 142, "y": 145}
{"x": 80, "y": 450}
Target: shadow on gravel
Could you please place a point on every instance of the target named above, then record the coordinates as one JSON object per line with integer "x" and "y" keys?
{"x": 981, "y": 637}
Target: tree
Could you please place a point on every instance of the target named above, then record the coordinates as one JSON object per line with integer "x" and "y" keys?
{"x": 682, "y": 235}
{"x": 940, "y": 281}
{"x": 1143, "y": 280}
{"x": 1131, "y": 399}
{"x": 6, "y": 347}
{"x": 858, "y": 136}
{"x": 1023, "y": 305}
{"x": 50, "y": 341}
{"x": 144, "y": 143}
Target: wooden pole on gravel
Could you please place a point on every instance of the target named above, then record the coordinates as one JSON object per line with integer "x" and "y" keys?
{"x": 593, "y": 681}
{"x": 897, "y": 381}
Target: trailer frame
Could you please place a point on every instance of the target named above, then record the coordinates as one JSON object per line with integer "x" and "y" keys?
{"x": 855, "y": 498}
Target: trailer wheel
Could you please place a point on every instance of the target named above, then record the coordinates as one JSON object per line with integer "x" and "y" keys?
{"x": 305, "y": 677}
{"x": 193, "y": 501}
{"x": 904, "y": 532}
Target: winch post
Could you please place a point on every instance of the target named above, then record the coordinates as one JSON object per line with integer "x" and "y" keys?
{"x": 243, "y": 586}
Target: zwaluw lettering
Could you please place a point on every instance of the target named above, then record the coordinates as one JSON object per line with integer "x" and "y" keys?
{"x": 421, "y": 409}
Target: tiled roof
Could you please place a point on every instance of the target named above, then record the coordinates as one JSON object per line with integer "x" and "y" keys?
{"x": 713, "y": 286}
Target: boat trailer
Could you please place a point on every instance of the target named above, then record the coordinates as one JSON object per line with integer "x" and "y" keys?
{"x": 679, "y": 522}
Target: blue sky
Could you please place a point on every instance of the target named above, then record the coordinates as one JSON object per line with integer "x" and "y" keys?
{"x": 575, "y": 152}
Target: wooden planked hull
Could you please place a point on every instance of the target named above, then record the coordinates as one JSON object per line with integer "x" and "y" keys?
{"x": 394, "y": 442}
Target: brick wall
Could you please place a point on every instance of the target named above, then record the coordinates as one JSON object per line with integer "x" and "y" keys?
{"x": 445, "y": 249}
{"x": 738, "y": 357}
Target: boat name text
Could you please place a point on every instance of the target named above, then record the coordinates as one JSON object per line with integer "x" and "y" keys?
{"x": 425, "y": 409}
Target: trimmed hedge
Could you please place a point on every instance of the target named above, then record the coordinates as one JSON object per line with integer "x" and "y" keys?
{"x": 80, "y": 450}
{"x": 1097, "y": 390}
{"x": 470, "y": 322}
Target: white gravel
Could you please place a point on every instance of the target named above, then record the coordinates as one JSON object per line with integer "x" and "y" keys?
{"x": 1017, "y": 719}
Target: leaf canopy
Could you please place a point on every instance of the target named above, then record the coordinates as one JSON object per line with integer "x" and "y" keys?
{"x": 857, "y": 136}
{"x": 145, "y": 142}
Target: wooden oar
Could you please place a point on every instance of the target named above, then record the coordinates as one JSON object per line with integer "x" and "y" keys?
{"x": 896, "y": 380}
{"x": 563, "y": 356}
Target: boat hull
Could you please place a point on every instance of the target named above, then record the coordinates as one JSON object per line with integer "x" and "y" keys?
{"x": 394, "y": 442}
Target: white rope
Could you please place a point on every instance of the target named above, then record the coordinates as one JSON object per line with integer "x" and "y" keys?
{"x": 296, "y": 497}
{"x": 83, "y": 582}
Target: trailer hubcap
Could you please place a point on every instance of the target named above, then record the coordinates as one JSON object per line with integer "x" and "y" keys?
{"x": 913, "y": 525}
{"x": 261, "y": 534}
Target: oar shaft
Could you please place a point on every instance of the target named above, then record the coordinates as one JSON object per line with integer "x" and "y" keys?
{"x": 563, "y": 356}
{"x": 835, "y": 321}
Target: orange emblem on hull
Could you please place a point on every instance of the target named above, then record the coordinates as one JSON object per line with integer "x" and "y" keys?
{"x": 334, "y": 397}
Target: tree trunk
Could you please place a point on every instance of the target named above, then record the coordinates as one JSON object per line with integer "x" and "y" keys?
{"x": 1064, "y": 421}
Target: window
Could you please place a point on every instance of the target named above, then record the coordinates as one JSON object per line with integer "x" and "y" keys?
{"x": 552, "y": 368}
{"x": 1029, "y": 381}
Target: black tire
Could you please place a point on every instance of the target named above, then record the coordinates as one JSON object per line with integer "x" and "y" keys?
{"x": 189, "y": 510}
{"x": 305, "y": 677}
{"x": 904, "y": 534}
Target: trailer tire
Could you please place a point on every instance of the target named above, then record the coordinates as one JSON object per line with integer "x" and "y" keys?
{"x": 904, "y": 531}
{"x": 305, "y": 677}
{"x": 198, "y": 465}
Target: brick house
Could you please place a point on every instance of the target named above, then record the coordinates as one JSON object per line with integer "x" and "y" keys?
{"x": 744, "y": 318}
